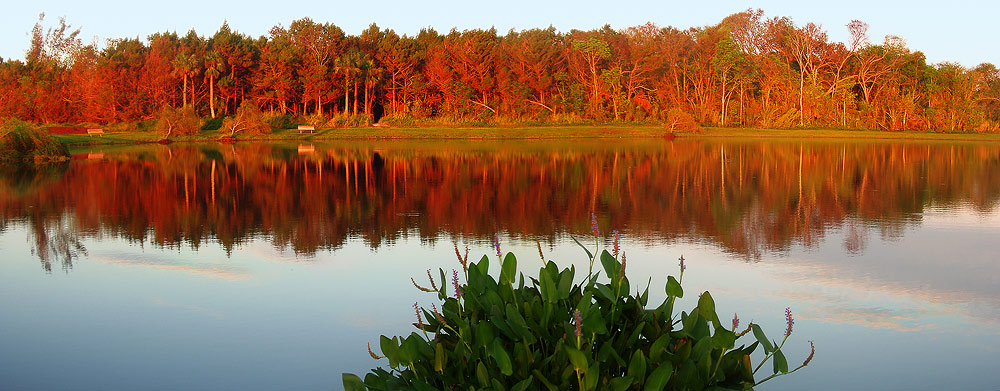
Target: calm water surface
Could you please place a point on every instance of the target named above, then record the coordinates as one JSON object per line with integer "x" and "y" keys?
{"x": 272, "y": 266}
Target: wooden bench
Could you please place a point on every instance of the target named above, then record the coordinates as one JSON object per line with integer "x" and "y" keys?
{"x": 95, "y": 131}
{"x": 310, "y": 128}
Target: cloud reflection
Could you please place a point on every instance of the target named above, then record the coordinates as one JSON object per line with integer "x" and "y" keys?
{"x": 221, "y": 272}
{"x": 871, "y": 303}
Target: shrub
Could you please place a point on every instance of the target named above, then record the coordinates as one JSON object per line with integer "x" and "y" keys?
{"x": 553, "y": 332}
{"x": 349, "y": 121}
{"x": 248, "y": 120}
{"x": 317, "y": 120}
{"x": 24, "y": 143}
{"x": 212, "y": 124}
{"x": 278, "y": 120}
{"x": 680, "y": 120}
{"x": 182, "y": 120}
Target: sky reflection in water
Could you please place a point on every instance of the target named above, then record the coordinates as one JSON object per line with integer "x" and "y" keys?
{"x": 888, "y": 259}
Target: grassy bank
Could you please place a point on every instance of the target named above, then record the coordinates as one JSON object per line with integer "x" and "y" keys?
{"x": 524, "y": 133}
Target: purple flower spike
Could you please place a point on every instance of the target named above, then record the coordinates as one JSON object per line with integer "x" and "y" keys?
{"x": 617, "y": 240}
{"x": 682, "y": 264}
{"x": 593, "y": 226}
{"x": 496, "y": 244}
{"x": 736, "y": 322}
{"x": 789, "y": 320}
{"x": 579, "y": 323}
{"x": 454, "y": 281}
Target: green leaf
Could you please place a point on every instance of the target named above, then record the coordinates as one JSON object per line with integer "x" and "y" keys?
{"x": 508, "y": 269}
{"x": 440, "y": 358}
{"x": 409, "y": 349}
{"x": 475, "y": 279}
{"x": 353, "y": 383}
{"x": 605, "y": 292}
{"x": 443, "y": 291}
{"x": 589, "y": 254}
{"x": 610, "y": 264}
{"x": 701, "y": 349}
{"x": 503, "y": 326}
{"x": 482, "y": 375}
{"x": 691, "y": 320}
{"x": 621, "y": 383}
{"x": 565, "y": 284}
{"x": 759, "y": 334}
{"x": 390, "y": 349}
{"x": 516, "y": 322}
{"x": 723, "y": 339}
{"x": 485, "y": 334}
{"x": 548, "y": 287}
{"x": 637, "y": 365}
{"x": 502, "y": 358}
{"x": 674, "y": 288}
{"x": 623, "y": 288}
{"x": 701, "y": 330}
{"x": 546, "y": 382}
{"x": 644, "y": 298}
{"x": 522, "y": 385}
{"x": 577, "y": 358}
{"x": 706, "y": 305}
{"x": 484, "y": 265}
{"x": 779, "y": 361}
{"x": 658, "y": 347}
{"x": 592, "y": 375}
{"x": 594, "y": 322}
{"x": 420, "y": 385}
{"x": 658, "y": 379}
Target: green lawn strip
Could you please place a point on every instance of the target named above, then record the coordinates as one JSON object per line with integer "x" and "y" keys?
{"x": 527, "y": 133}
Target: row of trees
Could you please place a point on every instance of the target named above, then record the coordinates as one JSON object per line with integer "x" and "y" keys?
{"x": 747, "y": 70}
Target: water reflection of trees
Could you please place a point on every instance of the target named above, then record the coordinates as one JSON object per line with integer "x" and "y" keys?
{"x": 749, "y": 198}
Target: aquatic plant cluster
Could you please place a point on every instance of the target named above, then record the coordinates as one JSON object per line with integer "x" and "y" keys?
{"x": 556, "y": 332}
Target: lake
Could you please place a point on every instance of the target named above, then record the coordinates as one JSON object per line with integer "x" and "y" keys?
{"x": 271, "y": 266}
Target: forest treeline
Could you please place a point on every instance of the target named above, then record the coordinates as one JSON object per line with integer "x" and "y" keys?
{"x": 748, "y": 70}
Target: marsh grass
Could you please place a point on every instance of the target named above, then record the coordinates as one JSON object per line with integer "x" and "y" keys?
{"x": 24, "y": 143}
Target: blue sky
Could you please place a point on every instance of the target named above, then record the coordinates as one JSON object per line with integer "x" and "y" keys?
{"x": 958, "y": 30}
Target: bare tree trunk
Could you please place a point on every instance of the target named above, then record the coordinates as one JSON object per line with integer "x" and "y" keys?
{"x": 367, "y": 102}
{"x": 802, "y": 81}
{"x": 722, "y": 104}
{"x": 211, "y": 95}
{"x": 184, "y": 94}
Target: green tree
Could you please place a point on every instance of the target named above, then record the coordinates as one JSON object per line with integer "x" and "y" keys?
{"x": 594, "y": 50}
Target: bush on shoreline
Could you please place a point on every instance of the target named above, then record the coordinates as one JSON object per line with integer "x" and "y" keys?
{"x": 248, "y": 120}
{"x": 24, "y": 143}
{"x": 182, "y": 121}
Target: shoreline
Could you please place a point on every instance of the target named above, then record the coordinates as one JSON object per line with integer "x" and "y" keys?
{"x": 527, "y": 133}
